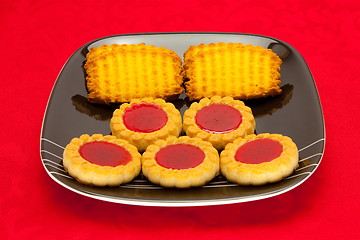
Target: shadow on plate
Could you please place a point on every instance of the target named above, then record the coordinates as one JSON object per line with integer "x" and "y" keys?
{"x": 260, "y": 107}
{"x": 267, "y": 106}
{"x": 281, "y": 50}
{"x": 102, "y": 112}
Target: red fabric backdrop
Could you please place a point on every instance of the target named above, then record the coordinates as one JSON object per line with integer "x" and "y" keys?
{"x": 38, "y": 36}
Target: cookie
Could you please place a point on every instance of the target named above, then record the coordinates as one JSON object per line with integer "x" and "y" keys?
{"x": 101, "y": 160}
{"x": 182, "y": 162}
{"x": 259, "y": 159}
{"x": 117, "y": 74}
{"x": 233, "y": 69}
{"x": 218, "y": 120}
{"x": 143, "y": 121}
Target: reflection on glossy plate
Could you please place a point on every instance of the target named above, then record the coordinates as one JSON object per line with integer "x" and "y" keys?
{"x": 295, "y": 113}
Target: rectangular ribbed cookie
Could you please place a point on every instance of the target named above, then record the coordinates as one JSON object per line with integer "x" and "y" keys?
{"x": 234, "y": 69}
{"x": 120, "y": 73}
{"x": 96, "y": 52}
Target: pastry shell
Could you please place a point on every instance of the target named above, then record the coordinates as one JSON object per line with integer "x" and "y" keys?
{"x": 93, "y": 174}
{"x": 141, "y": 140}
{"x": 219, "y": 140}
{"x": 262, "y": 173}
{"x": 181, "y": 178}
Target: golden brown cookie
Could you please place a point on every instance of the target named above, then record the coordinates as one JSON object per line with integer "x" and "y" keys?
{"x": 120, "y": 73}
{"x": 101, "y": 160}
{"x": 143, "y": 121}
{"x": 103, "y": 50}
{"x": 259, "y": 159}
{"x": 180, "y": 162}
{"x": 218, "y": 120}
{"x": 231, "y": 69}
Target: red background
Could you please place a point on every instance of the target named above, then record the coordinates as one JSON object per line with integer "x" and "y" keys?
{"x": 37, "y": 37}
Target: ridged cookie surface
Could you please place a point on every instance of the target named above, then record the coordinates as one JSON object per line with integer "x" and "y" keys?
{"x": 233, "y": 69}
{"x": 120, "y": 73}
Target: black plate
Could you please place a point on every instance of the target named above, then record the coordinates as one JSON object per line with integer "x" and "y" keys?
{"x": 295, "y": 113}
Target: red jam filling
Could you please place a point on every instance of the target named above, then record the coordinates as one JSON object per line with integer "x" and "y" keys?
{"x": 104, "y": 154}
{"x": 218, "y": 118}
{"x": 259, "y": 151}
{"x": 180, "y": 156}
{"x": 145, "y": 118}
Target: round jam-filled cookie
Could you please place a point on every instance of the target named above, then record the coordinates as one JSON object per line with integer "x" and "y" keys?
{"x": 180, "y": 162}
{"x": 218, "y": 120}
{"x": 143, "y": 121}
{"x": 259, "y": 159}
{"x": 101, "y": 160}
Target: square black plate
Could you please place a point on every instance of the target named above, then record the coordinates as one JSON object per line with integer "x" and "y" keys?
{"x": 295, "y": 113}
